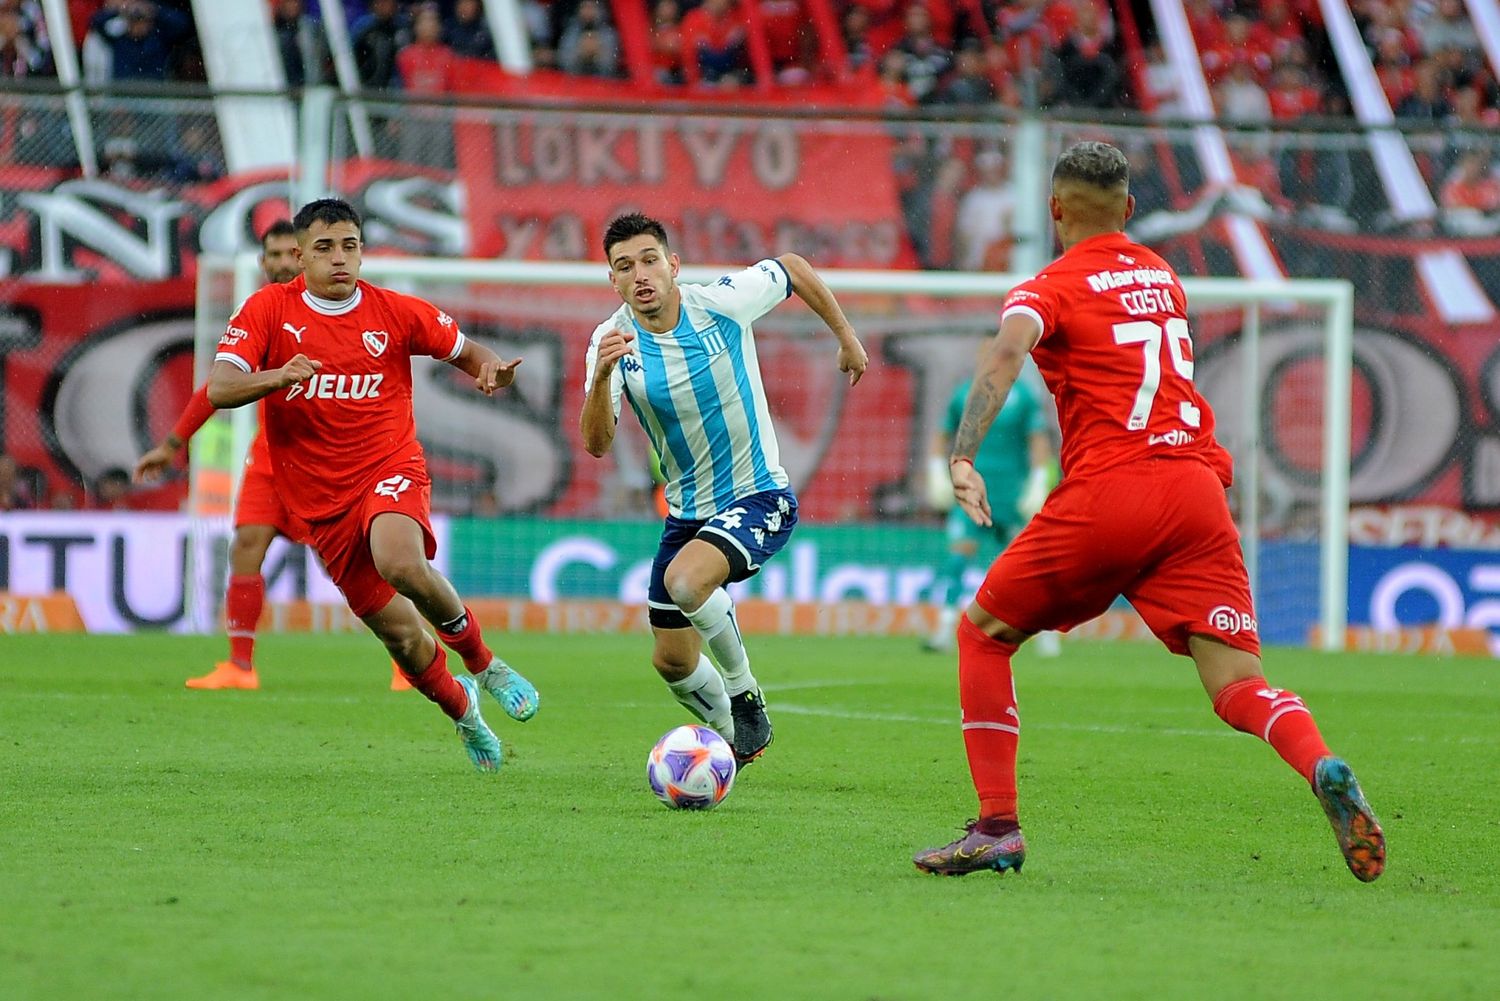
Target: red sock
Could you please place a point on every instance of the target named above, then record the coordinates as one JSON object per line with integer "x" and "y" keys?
{"x": 469, "y": 644}
{"x": 1278, "y": 717}
{"x": 992, "y": 728}
{"x": 242, "y": 604}
{"x": 440, "y": 686}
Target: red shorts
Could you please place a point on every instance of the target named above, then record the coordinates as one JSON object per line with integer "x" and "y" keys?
{"x": 1157, "y": 531}
{"x": 259, "y": 502}
{"x": 343, "y": 543}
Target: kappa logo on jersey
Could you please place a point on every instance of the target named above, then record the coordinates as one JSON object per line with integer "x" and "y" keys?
{"x": 232, "y": 336}
{"x": 1230, "y": 620}
{"x": 375, "y": 341}
{"x": 392, "y": 486}
{"x": 444, "y": 319}
{"x": 328, "y": 386}
{"x": 294, "y": 331}
{"x": 726, "y": 281}
{"x": 630, "y": 364}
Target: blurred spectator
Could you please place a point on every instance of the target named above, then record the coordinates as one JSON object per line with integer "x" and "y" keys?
{"x": 891, "y": 81}
{"x": 1085, "y": 75}
{"x": 926, "y": 59}
{"x": 666, "y": 42}
{"x": 715, "y": 44}
{"x": 1163, "y": 84}
{"x": 376, "y": 38}
{"x": 970, "y": 84}
{"x": 791, "y": 38}
{"x": 122, "y": 159}
{"x": 428, "y": 68}
{"x": 197, "y": 157}
{"x": 1448, "y": 26}
{"x": 18, "y": 492}
{"x": 985, "y": 216}
{"x": 468, "y": 34}
{"x": 589, "y": 45}
{"x": 1291, "y": 95}
{"x": 111, "y": 491}
{"x": 140, "y": 37}
{"x": 1426, "y": 101}
{"x": 884, "y": 23}
{"x": 538, "y": 18}
{"x": 304, "y": 50}
{"x": 1240, "y": 98}
{"x": 856, "y": 29}
{"x": 1239, "y": 44}
{"x": 1471, "y": 196}
{"x": 24, "y": 51}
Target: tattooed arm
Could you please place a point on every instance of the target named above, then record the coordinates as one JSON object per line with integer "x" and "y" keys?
{"x": 998, "y": 368}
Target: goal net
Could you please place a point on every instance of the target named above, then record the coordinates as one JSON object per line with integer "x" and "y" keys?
{"x": 533, "y": 516}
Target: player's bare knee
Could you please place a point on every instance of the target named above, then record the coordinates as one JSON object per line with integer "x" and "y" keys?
{"x": 688, "y": 589}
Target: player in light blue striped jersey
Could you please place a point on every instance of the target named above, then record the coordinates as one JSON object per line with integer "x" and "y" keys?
{"x": 684, "y": 358}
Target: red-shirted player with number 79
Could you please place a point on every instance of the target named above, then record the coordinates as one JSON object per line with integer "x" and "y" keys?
{"x": 331, "y": 355}
{"x": 1140, "y": 512}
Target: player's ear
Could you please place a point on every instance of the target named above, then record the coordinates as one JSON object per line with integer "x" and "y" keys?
{"x": 1129, "y": 206}
{"x": 676, "y": 263}
{"x": 1054, "y": 206}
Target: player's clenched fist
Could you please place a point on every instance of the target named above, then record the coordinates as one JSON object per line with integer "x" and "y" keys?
{"x": 495, "y": 375}
{"x": 852, "y": 358}
{"x": 299, "y": 369}
{"x": 614, "y": 346}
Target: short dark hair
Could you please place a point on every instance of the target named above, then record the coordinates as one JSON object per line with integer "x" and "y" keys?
{"x": 326, "y": 211}
{"x": 281, "y": 227}
{"x": 1097, "y": 164}
{"x": 634, "y": 224}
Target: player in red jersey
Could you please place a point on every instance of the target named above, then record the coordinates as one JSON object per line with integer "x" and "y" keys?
{"x": 1140, "y": 512}
{"x": 331, "y": 357}
{"x": 259, "y": 514}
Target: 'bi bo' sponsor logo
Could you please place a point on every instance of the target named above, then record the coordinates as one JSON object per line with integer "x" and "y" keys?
{"x": 1231, "y": 621}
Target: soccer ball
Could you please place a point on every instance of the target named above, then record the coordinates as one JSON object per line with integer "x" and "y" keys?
{"x": 691, "y": 768}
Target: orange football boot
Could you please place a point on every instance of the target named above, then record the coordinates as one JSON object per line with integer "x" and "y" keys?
{"x": 227, "y": 674}
{"x": 398, "y": 680}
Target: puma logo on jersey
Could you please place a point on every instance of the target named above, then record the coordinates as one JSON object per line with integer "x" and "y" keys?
{"x": 328, "y": 386}
{"x": 375, "y": 341}
{"x": 392, "y": 486}
{"x": 294, "y": 331}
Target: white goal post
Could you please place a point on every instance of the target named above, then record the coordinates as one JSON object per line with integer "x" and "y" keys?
{"x": 221, "y": 280}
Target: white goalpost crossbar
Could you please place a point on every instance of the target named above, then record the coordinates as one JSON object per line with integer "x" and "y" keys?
{"x": 1334, "y": 296}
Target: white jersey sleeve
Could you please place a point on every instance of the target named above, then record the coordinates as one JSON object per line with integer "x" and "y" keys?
{"x": 747, "y": 295}
{"x": 617, "y": 377}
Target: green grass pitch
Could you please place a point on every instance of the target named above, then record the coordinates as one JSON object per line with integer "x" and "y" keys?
{"x": 327, "y": 838}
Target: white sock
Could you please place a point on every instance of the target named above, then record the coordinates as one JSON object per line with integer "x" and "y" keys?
{"x": 942, "y": 636}
{"x": 714, "y": 620}
{"x": 702, "y": 694}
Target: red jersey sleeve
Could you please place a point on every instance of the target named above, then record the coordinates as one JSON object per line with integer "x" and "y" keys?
{"x": 1037, "y": 299}
{"x": 248, "y": 334}
{"x": 432, "y": 331}
{"x": 194, "y": 415}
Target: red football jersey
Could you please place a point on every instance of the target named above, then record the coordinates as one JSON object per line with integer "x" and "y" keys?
{"x": 1117, "y": 354}
{"x": 329, "y": 436}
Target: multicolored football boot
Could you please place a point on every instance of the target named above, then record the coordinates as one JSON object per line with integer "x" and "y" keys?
{"x": 478, "y": 739}
{"x": 975, "y": 852}
{"x": 517, "y": 696}
{"x": 1354, "y": 824}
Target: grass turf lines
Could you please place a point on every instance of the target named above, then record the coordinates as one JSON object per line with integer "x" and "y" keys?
{"x": 326, "y": 838}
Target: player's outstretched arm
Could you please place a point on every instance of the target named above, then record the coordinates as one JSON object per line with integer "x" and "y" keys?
{"x": 230, "y": 386}
{"x": 489, "y": 372}
{"x": 998, "y": 368}
{"x": 154, "y": 464}
{"x": 597, "y": 422}
{"x": 811, "y": 289}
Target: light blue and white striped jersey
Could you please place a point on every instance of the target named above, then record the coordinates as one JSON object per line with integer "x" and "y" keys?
{"x": 698, "y": 393}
